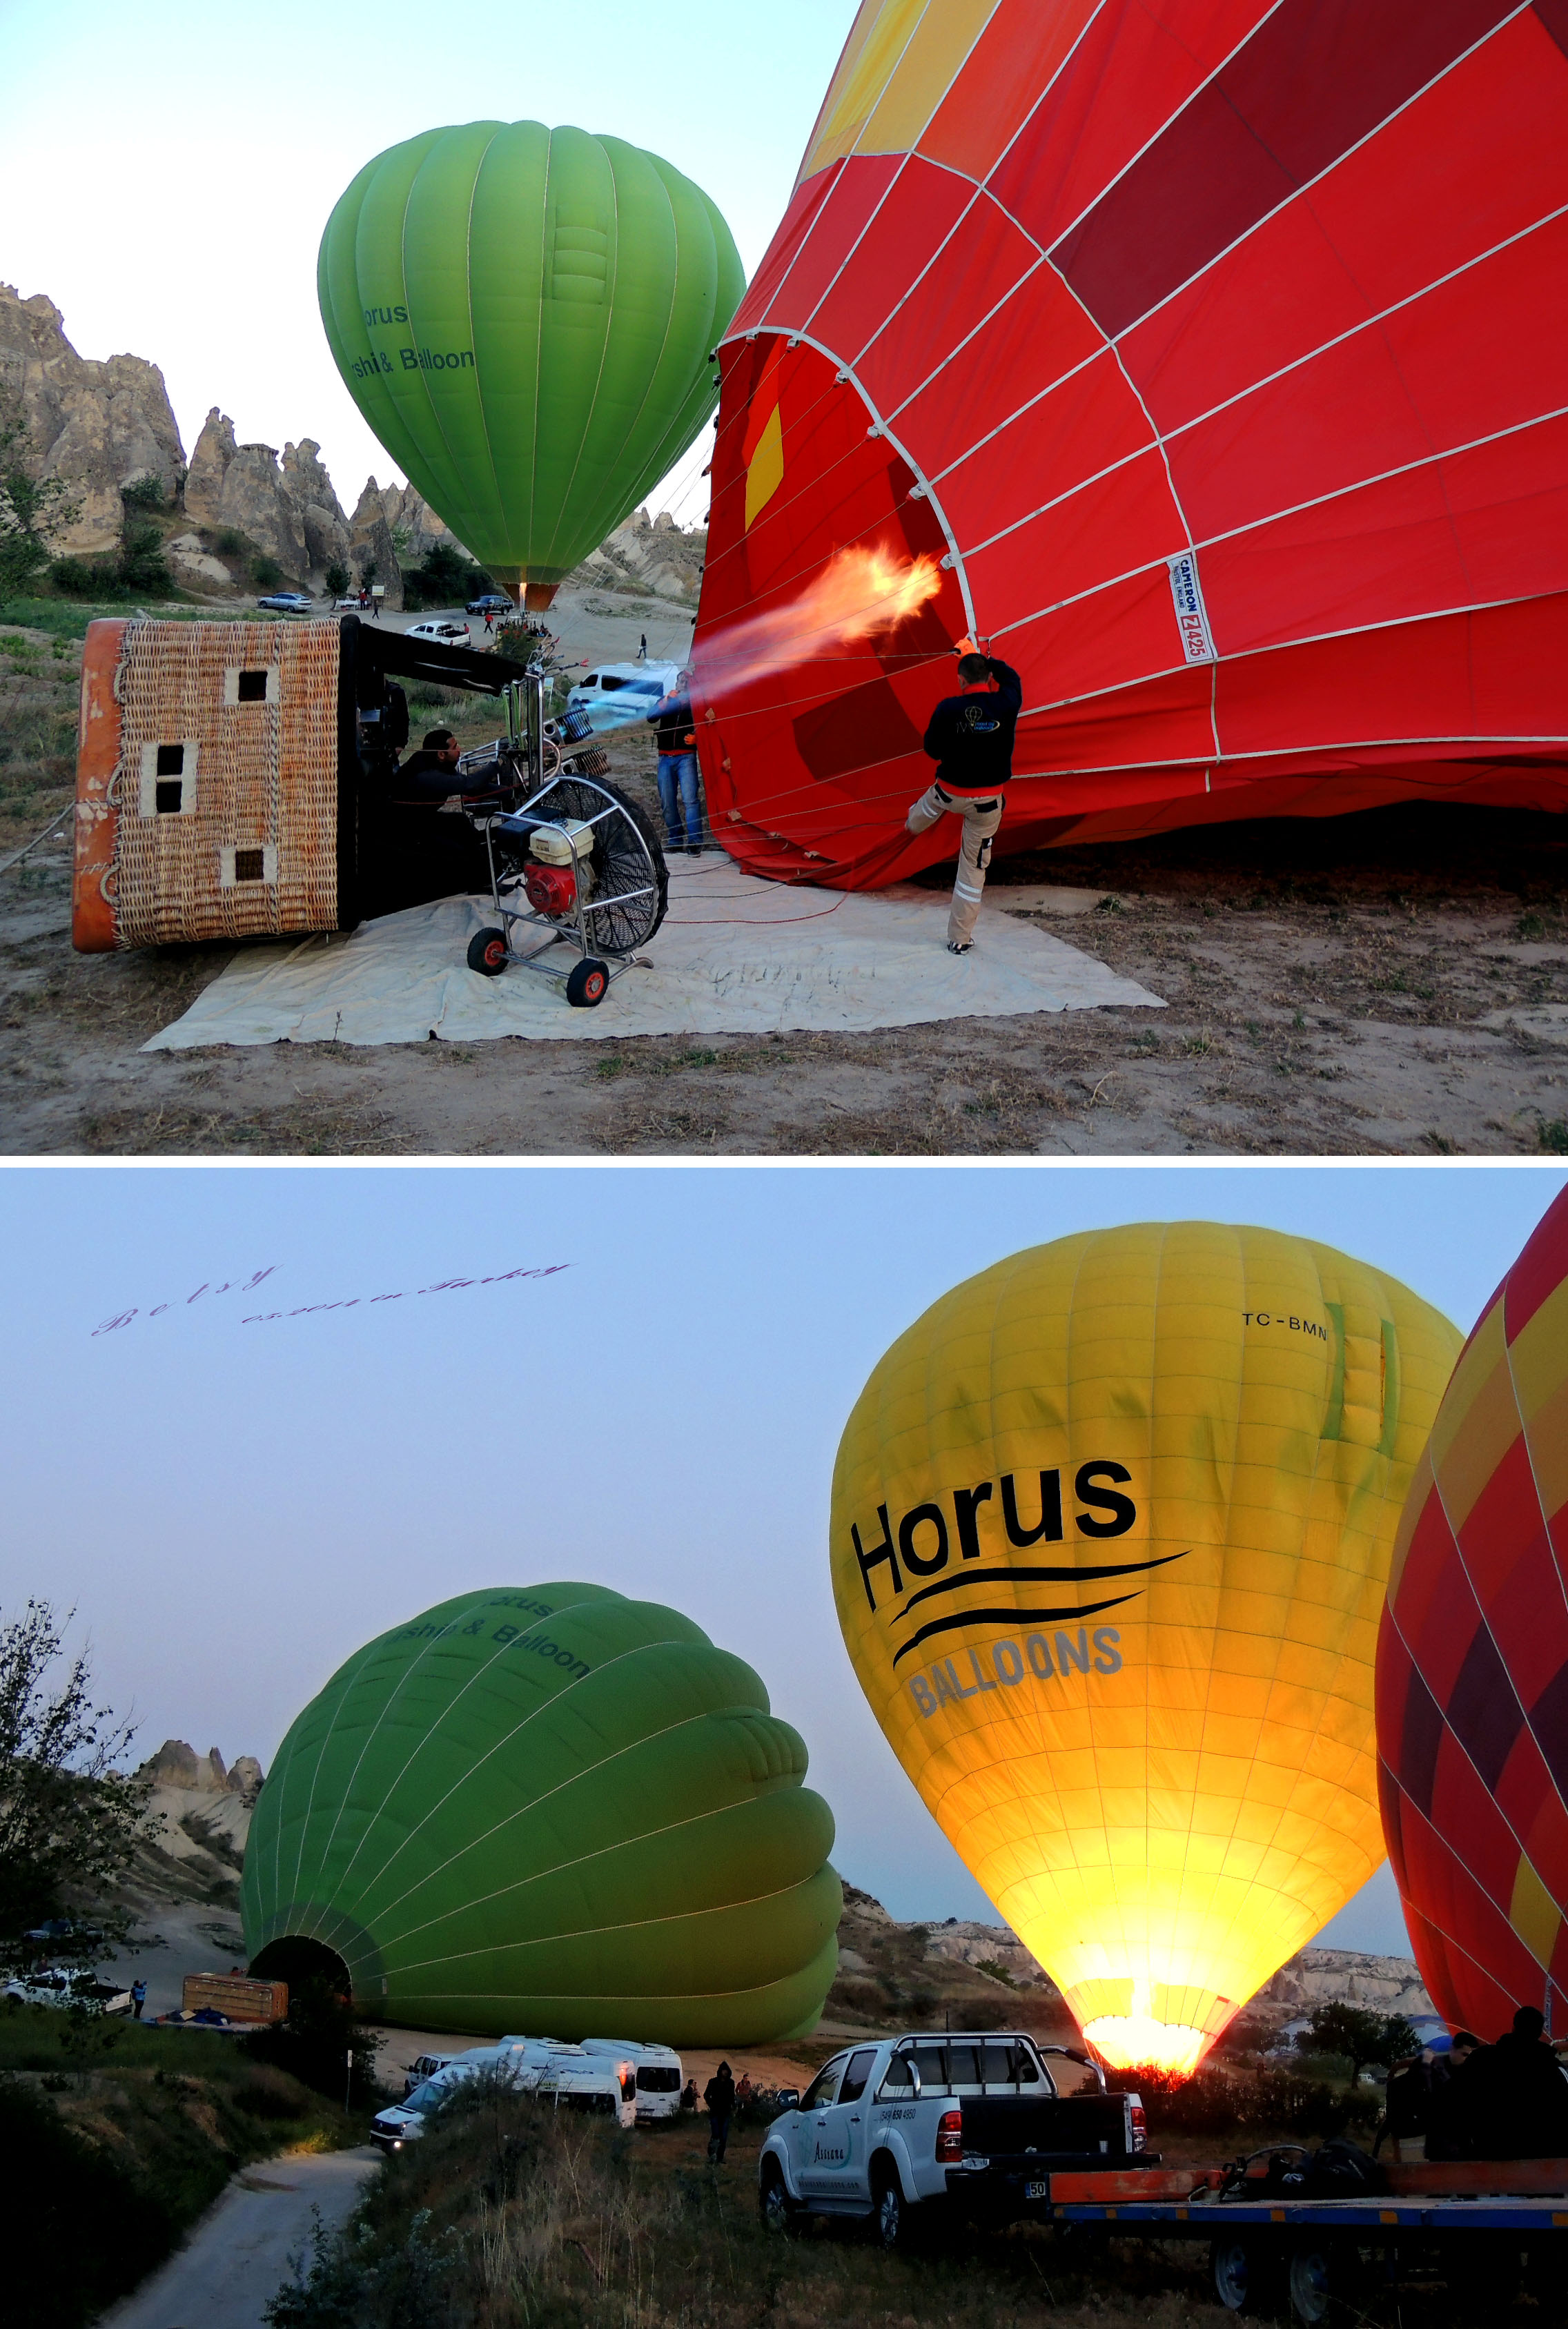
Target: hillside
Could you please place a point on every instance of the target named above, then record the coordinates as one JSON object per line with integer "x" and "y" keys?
{"x": 234, "y": 515}
{"x": 186, "y": 1886}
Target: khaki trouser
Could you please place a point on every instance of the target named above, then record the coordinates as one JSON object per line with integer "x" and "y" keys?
{"x": 980, "y": 820}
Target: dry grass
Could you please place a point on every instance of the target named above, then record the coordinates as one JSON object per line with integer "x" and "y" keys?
{"x": 507, "y": 2216}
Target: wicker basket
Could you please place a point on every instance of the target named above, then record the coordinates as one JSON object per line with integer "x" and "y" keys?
{"x": 207, "y": 782}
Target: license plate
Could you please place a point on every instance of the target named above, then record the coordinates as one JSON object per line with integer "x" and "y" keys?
{"x": 1040, "y": 2190}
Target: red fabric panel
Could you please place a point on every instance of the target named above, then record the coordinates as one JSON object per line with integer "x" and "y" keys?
{"x": 1127, "y": 77}
{"x": 1553, "y": 15}
{"x": 1544, "y": 1831}
{"x": 1126, "y": 630}
{"x": 781, "y": 253}
{"x": 1525, "y": 370}
{"x": 1525, "y": 1606}
{"x": 1283, "y": 292}
{"x": 962, "y": 284}
{"x": 856, "y": 190}
{"x": 1474, "y": 159}
{"x": 1386, "y": 685}
{"x": 919, "y": 210}
{"x": 1508, "y": 502}
{"x": 1084, "y": 424}
{"x": 1384, "y": 554}
{"x": 1165, "y": 719}
{"x": 1041, "y": 333}
{"x": 1432, "y": 1554}
{"x": 1462, "y": 1809}
{"x": 1541, "y": 1267}
{"x": 1015, "y": 58}
{"x": 1317, "y": 76}
{"x": 1524, "y": 1786}
{"x": 1324, "y": 426}
{"x": 1128, "y": 516}
{"x": 1520, "y": 669}
{"x": 1501, "y": 1523}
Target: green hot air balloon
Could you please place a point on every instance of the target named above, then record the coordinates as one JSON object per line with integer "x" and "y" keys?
{"x": 549, "y": 1809}
{"x": 524, "y": 317}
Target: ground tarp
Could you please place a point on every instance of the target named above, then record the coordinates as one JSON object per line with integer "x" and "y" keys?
{"x": 735, "y": 955}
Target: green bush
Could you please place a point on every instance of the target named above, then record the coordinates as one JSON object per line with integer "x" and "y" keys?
{"x": 337, "y": 577}
{"x": 145, "y": 493}
{"x": 446, "y": 578}
{"x": 1218, "y": 2102}
{"x": 265, "y": 571}
{"x": 314, "y": 2043}
{"x": 83, "y": 2230}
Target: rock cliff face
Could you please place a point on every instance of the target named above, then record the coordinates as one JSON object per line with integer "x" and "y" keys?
{"x": 99, "y": 425}
{"x": 651, "y": 554}
{"x": 177, "y": 1765}
{"x": 371, "y": 543}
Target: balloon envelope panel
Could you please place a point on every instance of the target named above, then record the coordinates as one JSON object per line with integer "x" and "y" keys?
{"x": 1218, "y": 346}
{"x": 549, "y": 1808}
{"x": 1111, "y": 1528}
{"x": 524, "y": 316}
{"x": 1472, "y": 1666}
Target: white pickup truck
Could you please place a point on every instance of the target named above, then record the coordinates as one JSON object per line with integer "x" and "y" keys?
{"x": 908, "y": 2127}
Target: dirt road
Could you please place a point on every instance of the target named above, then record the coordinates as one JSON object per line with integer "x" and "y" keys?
{"x": 238, "y": 2254}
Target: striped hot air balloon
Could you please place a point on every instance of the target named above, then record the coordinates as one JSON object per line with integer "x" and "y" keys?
{"x": 548, "y": 1809}
{"x": 1472, "y": 1666}
{"x": 1110, "y": 1527}
{"x": 1215, "y": 354}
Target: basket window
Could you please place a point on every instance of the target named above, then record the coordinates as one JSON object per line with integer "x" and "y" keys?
{"x": 169, "y": 797}
{"x": 171, "y": 762}
{"x": 250, "y": 687}
{"x": 250, "y": 864}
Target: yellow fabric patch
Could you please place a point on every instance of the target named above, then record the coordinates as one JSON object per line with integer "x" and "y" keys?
{"x": 1534, "y": 1914}
{"x": 899, "y": 62}
{"x": 766, "y": 473}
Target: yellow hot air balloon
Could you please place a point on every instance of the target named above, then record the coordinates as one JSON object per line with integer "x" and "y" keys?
{"x": 1112, "y": 1524}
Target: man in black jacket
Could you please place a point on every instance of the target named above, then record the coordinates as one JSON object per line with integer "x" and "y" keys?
{"x": 970, "y": 737}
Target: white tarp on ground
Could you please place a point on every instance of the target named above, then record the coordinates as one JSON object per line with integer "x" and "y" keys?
{"x": 734, "y": 956}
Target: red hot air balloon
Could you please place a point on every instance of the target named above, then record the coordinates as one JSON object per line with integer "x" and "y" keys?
{"x": 1209, "y": 359}
{"x": 1472, "y": 1665}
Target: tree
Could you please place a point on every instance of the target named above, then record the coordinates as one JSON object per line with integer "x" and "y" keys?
{"x": 33, "y": 510}
{"x": 337, "y": 577}
{"x": 1360, "y": 2036}
{"x": 68, "y": 1818}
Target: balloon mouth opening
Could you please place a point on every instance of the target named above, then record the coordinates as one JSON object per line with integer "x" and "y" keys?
{"x": 1129, "y": 2042}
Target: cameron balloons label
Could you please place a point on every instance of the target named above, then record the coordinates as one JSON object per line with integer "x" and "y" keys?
{"x": 1192, "y": 616}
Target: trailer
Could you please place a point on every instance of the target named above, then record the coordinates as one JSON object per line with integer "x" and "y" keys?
{"x": 1484, "y": 2227}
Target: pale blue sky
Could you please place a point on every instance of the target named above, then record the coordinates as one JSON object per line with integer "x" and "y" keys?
{"x": 167, "y": 169}
{"x": 233, "y": 1509}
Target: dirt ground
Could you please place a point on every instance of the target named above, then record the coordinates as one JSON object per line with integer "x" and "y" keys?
{"x": 1387, "y": 985}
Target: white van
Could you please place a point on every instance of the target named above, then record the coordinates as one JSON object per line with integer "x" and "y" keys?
{"x": 616, "y": 694}
{"x": 542, "y": 2066}
{"x": 658, "y": 2074}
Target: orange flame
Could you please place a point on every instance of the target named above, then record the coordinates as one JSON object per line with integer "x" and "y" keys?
{"x": 1131, "y": 2041}
{"x": 858, "y": 594}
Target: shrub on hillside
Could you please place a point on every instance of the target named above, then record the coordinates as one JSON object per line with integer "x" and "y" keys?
{"x": 314, "y": 2043}
{"x": 82, "y": 2230}
{"x": 1218, "y": 2102}
{"x": 446, "y": 578}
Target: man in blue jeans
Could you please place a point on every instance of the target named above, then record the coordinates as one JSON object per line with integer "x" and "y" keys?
{"x": 671, "y": 718}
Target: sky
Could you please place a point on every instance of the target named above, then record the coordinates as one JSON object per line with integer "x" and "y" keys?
{"x": 233, "y": 1509}
{"x": 167, "y": 169}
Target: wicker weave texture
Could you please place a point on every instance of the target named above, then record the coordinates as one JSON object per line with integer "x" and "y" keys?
{"x": 259, "y": 782}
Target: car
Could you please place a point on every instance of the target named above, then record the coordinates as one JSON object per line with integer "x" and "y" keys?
{"x": 68, "y": 1985}
{"x": 922, "y": 2125}
{"x": 285, "y": 602}
{"x": 619, "y": 695}
{"x": 351, "y": 600}
{"x": 423, "y": 2067}
{"x": 494, "y": 602}
{"x": 448, "y": 634}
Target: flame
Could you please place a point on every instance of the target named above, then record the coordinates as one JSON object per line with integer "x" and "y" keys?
{"x": 858, "y": 594}
{"x": 1129, "y": 2040}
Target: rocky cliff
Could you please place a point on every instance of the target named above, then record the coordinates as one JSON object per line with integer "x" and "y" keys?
{"x": 100, "y": 424}
{"x": 103, "y": 425}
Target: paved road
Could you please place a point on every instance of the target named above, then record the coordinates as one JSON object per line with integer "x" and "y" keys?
{"x": 235, "y": 2258}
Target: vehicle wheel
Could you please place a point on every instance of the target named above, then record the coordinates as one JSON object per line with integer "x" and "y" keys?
{"x": 774, "y": 2205}
{"x": 488, "y": 952}
{"x": 585, "y": 989}
{"x": 1247, "y": 2276}
{"x": 1319, "y": 2283}
{"x": 895, "y": 2222}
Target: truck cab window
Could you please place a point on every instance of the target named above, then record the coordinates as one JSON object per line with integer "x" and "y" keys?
{"x": 856, "y": 2075}
{"x": 824, "y": 2087}
{"x": 899, "y": 2079}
